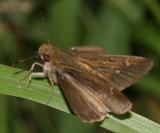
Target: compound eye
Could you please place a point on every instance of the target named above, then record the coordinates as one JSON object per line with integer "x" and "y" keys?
{"x": 46, "y": 57}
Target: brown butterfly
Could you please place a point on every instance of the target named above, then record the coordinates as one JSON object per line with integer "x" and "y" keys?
{"x": 91, "y": 79}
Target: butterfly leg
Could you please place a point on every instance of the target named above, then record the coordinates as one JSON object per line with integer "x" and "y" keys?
{"x": 53, "y": 80}
{"x": 35, "y": 74}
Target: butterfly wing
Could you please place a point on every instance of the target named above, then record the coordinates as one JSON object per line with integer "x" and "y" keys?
{"x": 120, "y": 70}
{"x": 88, "y": 49}
{"x": 89, "y": 97}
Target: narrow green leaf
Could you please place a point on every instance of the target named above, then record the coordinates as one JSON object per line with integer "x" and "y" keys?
{"x": 11, "y": 83}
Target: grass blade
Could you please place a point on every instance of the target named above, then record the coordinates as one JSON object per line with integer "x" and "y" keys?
{"x": 39, "y": 91}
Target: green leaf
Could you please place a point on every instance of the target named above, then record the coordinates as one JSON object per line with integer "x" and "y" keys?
{"x": 11, "y": 83}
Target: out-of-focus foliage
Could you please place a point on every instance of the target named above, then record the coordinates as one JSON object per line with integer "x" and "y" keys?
{"x": 119, "y": 26}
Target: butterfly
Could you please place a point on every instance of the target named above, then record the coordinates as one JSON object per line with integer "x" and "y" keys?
{"x": 91, "y": 79}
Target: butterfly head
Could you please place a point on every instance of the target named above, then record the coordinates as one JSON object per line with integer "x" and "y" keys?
{"x": 46, "y": 51}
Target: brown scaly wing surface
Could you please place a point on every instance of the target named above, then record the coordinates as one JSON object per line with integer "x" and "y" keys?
{"x": 119, "y": 70}
{"x": 89, "y": 97}
{"x": 88, "y": 49}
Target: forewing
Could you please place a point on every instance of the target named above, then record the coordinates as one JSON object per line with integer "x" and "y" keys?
{"x": 86, "y": 50}
{"x": 120, "y": 71}
{"x": 89, "y": 97}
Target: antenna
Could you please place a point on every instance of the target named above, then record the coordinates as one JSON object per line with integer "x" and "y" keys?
{"x": 24, "y": 59}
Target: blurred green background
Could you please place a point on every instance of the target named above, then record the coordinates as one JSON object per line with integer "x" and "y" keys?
{"x": 120, "y": 26}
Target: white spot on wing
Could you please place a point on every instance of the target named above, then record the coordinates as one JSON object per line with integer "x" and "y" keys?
{"x": 127, "y": 62}
{"x": 117, "y": 71}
